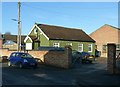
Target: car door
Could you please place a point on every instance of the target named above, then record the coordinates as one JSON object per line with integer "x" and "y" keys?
{"x": 17, "y": 58}
{"x": 12, "y": 58}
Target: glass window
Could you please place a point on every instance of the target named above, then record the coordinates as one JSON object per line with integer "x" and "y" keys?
{"x": 118, "y": 47}
{"x": 104, "y": 50}
{"x": 56, "y": 44}
{"x": 80, "y": 47}
{"x": 13, "y": 55}
{"x": 25, "y": 55}
{"x": 90, "y": 47}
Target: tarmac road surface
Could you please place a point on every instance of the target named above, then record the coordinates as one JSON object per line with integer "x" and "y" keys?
{"x": 79, "y": 76}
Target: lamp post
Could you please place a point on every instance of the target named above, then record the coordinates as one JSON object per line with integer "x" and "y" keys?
{"x": 19, "y": 35}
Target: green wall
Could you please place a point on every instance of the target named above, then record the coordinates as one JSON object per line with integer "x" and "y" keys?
{"x": 28, "y": 41}
{"x": 74, "y": 45}
{"x": 45, "y": 42}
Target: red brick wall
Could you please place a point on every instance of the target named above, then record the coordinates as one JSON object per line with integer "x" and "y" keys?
{"x": 0, "y": 43}
{"x": 105, "y": 34}
{"x": 55, "y": 58}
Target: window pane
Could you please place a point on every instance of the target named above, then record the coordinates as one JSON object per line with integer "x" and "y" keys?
{"x": 56, "y": 45}
{"x": 89, "y": 47}
{"x": 80, "y": 47}
{"x": 104, "y": 48}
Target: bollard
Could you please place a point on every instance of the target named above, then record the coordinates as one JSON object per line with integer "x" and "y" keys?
{"x": 111, "y": 61}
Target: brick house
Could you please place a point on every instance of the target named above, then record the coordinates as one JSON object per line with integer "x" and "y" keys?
{"x": 106, "y": 34}
{"x": 57, "y": 36}
{"x": 1, "y": 41}
{"x": 10, "y": 41}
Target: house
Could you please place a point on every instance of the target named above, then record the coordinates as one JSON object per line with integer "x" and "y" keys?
{"x": 1, "y": 41}
{"x": 57, "y": 36}
{"x": 104, "y": 35}
{"x": 10, "y": 41}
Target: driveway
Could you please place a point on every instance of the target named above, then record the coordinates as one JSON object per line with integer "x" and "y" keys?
{"x": 81, "y": 75}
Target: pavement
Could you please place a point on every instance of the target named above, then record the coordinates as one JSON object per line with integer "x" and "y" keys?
{"x": 81, "y": 75}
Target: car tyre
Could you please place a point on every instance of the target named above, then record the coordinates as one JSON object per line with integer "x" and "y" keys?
{"x": 34, "y": 67}
{"x": 20, "y": 65}
{"x": 9, "y": 64}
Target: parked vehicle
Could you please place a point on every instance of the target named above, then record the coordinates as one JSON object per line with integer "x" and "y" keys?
{"x": 76, "y": 56}
{"x": 88, "y": 56}
{"x": 81, "y": 57}
{"x": 4, "y": 59}
{"x": 22, "y": 60}
{"x": 85, "y": 54}
{"x": 97, "y": 53}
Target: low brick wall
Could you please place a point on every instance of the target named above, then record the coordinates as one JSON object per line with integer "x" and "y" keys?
{"x": 6, "y": 52}
{"x": 60, "y": 59}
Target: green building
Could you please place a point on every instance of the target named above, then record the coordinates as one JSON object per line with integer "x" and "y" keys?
{"x": 57, "y": 36}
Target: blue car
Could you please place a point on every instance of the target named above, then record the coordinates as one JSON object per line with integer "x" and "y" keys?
{"x": 22, "y": 60}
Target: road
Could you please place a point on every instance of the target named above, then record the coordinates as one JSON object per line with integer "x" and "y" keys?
{"x": 81, "y": 75}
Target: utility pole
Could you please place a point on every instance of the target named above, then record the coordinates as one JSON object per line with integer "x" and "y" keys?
{"x": 19, "y": 29}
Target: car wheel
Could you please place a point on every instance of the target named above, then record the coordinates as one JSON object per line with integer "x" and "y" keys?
{"x": 20, "y": 65}
{"x": 34, "y": 67}
{"x": 9, "y": 63}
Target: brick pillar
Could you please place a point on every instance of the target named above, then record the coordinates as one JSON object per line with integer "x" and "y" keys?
{"x": 111, "y": 61}
{"x": 68, "y": 51}
{"x": 0, "y": 43}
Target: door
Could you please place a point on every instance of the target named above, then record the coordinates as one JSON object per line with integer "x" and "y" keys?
{"x": 28, "y": 46}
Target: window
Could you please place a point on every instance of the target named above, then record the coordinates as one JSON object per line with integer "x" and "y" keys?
{"x": 56, "y": 44}
{"x": 118, "y": 47}
{"x": 90, "y": 47}
{"x": 80, "y": 47}
{"x": 69, "y": 44}
{"x": 13, "y": 55}
{"x": 104, "y": 49}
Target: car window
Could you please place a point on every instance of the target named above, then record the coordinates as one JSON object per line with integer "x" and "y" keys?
{"x": 13, "y": 55}
{"x": 25, "y": 55}
{"x": 17, "y": 55}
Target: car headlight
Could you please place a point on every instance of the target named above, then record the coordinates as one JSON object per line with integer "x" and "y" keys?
{"x": 25, "y": 60}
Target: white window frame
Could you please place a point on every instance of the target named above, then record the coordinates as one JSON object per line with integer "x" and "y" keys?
{"x": 56, "y": 44}
{"x": 80, "y": 45}
{"x": 91, "y": 46}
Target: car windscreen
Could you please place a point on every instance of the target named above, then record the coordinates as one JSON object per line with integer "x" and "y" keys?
{"x": 25, "y": 55}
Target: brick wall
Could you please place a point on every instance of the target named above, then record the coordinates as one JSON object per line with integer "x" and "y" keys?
{"x": 11, "y": 47}
{"x": 105, "y": 34}
{"x": 60, "y": 59}
{"x": 0, "y": 43}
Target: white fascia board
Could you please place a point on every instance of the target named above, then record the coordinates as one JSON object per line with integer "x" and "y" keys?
{"x": 32, "y": 29}
{"x": 42, "y": 32}
{"x": 27, "y": 38}
{"x": 39, "y": 30}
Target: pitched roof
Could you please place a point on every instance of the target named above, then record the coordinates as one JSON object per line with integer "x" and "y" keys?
{"x": 13, "y": 38}
{"x": 62, "y": 33}
{"x": 107, "y": 25}
{"x": 9, "y": 42}
{"x": 111, "y": 26}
